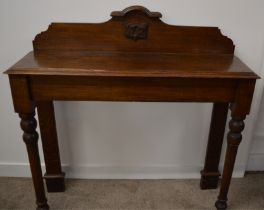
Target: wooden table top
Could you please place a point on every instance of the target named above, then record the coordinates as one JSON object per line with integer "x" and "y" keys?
{"x": 126, "y": 64}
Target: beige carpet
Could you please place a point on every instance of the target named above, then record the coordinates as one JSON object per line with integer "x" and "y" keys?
{"x": 246, "y": 193}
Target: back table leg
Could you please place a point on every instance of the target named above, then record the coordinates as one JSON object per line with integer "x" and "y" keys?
{"x": 54, "y": 176}
{"x": 210, "y": 173}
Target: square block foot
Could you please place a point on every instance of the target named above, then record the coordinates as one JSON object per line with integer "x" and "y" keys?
{"x": 55, "y": 182}
{"x": 209, "y": 180}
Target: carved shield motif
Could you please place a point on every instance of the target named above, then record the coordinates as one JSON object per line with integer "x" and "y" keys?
{"x": 136, "y": 31}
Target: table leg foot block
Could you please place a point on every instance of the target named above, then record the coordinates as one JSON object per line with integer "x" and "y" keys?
{"x": 55, "y": 183}
{"x": 221, "y": 205}
{"x": 43, "y": 206}
{"x": 209, "y": 180}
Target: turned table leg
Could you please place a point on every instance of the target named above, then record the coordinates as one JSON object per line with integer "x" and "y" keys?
{"x": 54, "y": 176}
{"x": 234, "y": 137}
{"x": 239, "y": 109}
{"x": 24, "y": 105}
{"x": 210, "y": 173}
{"x": 30, "y": 137}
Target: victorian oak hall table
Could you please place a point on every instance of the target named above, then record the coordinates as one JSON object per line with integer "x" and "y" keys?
{"x": 132, "y": 57}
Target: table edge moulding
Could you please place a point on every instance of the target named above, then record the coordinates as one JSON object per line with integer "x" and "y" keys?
{"x": 132, "y": 57}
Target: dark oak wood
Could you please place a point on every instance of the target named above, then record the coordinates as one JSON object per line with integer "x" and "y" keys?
{"x": 234, "y": 137}
{"x": 239, "y": 109}
{"x": 132, "y": 89}
{"x": 24, "y": 106}
{"x": 210, "y": 173}
{"x": 54, "y": 176}
{"x": 132, "y": 57}
{"x": 110, "y": 36}
{"x": 134, "y": 9}
{"x": 125, "y": 64}
{"x": 30, "y": 137}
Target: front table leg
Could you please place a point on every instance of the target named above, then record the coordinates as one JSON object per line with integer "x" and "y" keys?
{"x": 30, "y": 137}
{"x": 234, "y": 137}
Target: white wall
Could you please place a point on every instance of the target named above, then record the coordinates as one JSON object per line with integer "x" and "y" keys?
{"x": 256, "y": 155}
{"x": 126, "y": 140}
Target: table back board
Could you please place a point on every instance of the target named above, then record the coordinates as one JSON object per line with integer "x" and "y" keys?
{"x": 132, "y": 30}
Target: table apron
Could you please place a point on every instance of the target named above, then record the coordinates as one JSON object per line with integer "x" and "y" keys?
{"x": 132, "y": 89}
